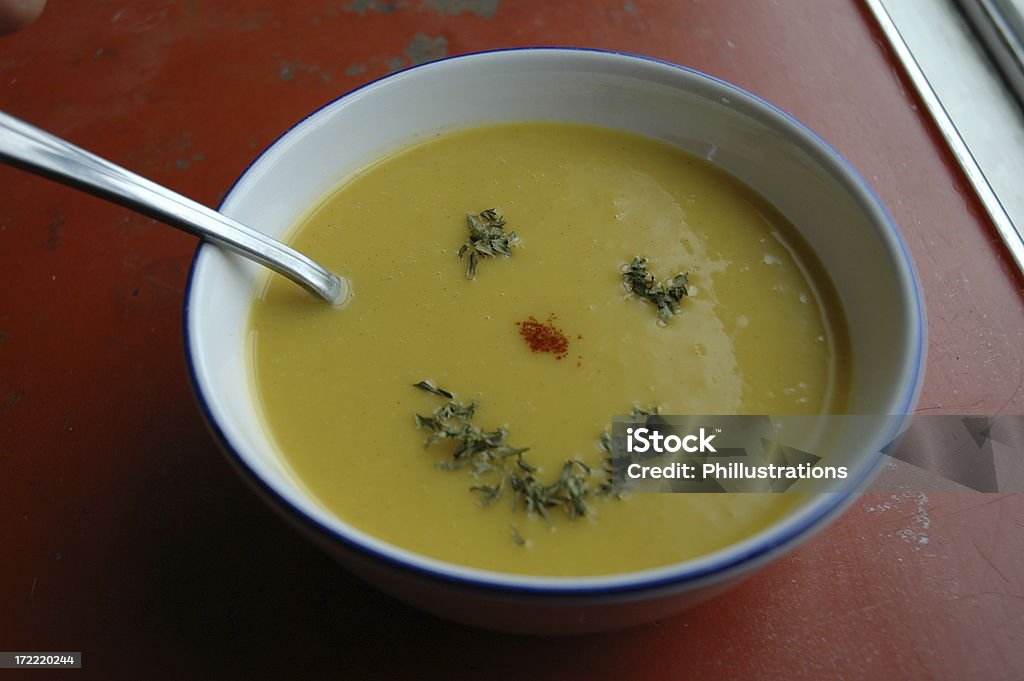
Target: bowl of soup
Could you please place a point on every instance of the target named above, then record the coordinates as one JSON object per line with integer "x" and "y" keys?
{"x": 537, "y": 241}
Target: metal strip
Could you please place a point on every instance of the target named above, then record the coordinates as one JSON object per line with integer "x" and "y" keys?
{"x": 993, "y": 27}
{"x": 1002, "y": 222}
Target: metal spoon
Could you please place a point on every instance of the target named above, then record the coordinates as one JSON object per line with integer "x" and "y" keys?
{"x": 29, "y": 148}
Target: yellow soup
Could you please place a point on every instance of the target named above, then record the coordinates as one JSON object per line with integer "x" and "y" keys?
{"x": 760, "y": 332}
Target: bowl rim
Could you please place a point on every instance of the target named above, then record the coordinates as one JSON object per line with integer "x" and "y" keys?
{"x": 676, "y": 576}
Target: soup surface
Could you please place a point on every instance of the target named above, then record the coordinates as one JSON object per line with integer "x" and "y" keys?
{"x": 760, "y": 332}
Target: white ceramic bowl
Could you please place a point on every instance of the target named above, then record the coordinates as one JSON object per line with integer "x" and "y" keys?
{"x": 796, "y": 171}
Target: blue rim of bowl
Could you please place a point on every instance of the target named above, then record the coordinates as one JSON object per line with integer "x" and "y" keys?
{"x": 692, "y": 576}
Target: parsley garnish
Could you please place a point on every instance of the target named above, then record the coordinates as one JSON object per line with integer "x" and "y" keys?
{"x": 636, "y": 278}
{"x": 487, "y": 238}
{"x": 488, "y": 454}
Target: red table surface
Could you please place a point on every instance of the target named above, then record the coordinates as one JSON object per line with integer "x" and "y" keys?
{"x": 126, "y": 535}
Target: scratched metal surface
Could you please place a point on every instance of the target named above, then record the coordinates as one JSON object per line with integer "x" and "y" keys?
{"x": 125, "y": 534}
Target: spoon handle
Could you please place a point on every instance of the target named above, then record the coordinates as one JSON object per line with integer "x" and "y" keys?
{"x": 29, "y": 148}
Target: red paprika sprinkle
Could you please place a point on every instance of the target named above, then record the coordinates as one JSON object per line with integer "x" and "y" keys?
{"x": 544, "y": 336}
